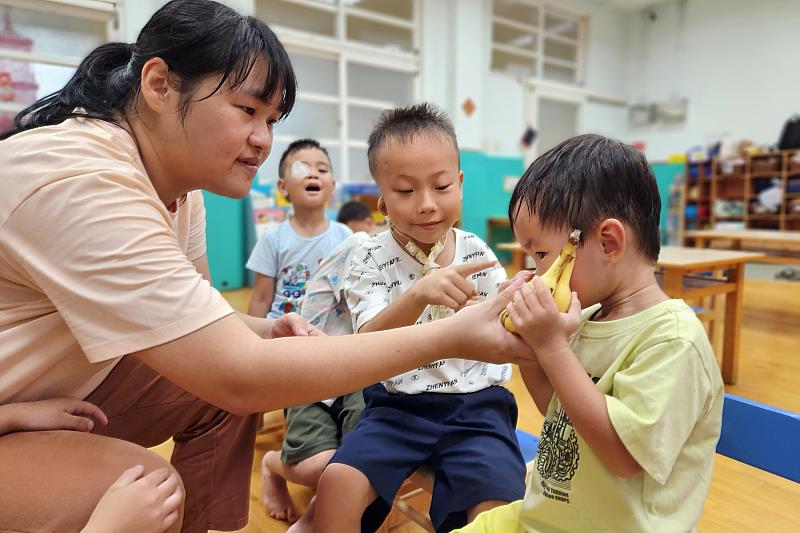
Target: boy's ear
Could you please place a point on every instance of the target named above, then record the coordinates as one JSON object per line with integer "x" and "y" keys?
{"x": 613, "y": 239}
{"x": 282, "y": 188}
{"x": 155, "y": 88}
{"x": 382, "y": 206}
{"x": 461, "y": 183}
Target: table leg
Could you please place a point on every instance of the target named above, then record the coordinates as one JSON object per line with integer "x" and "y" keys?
{"x": 733, "y": 325}
{"x": 673, "y": 283}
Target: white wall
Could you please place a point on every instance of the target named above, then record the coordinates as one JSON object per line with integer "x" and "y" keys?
{"x": 455, "y": 65}
{"x": 736, "y": 61}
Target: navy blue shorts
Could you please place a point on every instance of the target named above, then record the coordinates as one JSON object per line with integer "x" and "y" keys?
{"x": 468, "y": 440}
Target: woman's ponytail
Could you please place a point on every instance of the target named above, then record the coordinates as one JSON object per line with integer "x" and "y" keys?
{"x": 196, "y": 39}
{"x": 101, "y": 86}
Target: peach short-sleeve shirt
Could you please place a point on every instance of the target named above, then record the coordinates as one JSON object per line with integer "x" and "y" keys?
{"x": 93, "y": 266}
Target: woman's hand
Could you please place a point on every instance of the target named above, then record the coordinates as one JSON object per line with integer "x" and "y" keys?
{"x": 482, "y": 337}
{"x": 135, "y": 503}
{"x": 537, "y": 320}
{"x": 524, "y": 275}
{"x": 293, "y": 325}
{"x": 57, "y": 413}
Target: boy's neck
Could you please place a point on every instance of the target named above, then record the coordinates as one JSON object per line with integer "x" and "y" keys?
{"x": 309, "y": 221}
{"x": 637, "y": 292}
{"x": 445, "y": 257}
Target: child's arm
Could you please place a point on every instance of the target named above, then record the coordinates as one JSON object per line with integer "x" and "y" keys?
{"x": 446, "y": 286}
{"x": 57, "y": 413}
{"x": 547, "y": 331}
{"x": 263, "y": 293}
{"x": 538, "y": 385}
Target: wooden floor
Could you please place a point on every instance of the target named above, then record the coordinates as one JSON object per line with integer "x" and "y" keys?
{"x": 742, "y": 498}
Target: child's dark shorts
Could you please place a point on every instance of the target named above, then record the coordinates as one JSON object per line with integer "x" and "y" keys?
{"x": 467, "y": 439}
{"x": 315, "y": 427}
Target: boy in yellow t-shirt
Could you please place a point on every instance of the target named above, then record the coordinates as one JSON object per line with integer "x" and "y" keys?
{"x": 629, "y": 387}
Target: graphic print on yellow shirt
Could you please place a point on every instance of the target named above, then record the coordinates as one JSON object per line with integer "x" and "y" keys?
{"x": 557, "y": 455}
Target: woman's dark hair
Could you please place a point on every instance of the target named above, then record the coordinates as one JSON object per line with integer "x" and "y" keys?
{"x": 589, "y": 178}
{"x": 196, "y": 39}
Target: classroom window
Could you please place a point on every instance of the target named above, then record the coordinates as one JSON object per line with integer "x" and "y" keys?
{"x": 42, "y": 43}
{"x": 531, "y": 39}
{"x": 352, "y": 59}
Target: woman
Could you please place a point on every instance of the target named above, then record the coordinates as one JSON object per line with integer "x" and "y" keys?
{"x": 104, "y": 292}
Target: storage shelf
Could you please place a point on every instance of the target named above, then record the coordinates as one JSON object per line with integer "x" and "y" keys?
{"x": 739, "y": 187}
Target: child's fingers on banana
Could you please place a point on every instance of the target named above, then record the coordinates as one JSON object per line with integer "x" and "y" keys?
{"x": 543, "y": 295}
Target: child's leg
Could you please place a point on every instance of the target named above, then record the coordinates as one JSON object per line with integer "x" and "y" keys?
{"x": 343, "y": 494}
{"x": 275, "y": 474}
{"x": 356, "y": 491}
{"x": 310, "y": 440}
{"x": 481, "y": 466}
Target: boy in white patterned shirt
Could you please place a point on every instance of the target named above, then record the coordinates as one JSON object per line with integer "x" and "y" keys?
{"x": 452, "y": 415}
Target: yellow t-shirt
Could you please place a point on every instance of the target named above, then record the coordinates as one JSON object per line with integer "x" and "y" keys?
{"x": 92, "y": 264}
{"x": 664, "y": 395}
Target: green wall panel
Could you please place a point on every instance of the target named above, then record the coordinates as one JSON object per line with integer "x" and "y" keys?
{"x": 484, "y": 195}
{"x": 666, "y": 174}
{"x": 225, "y": 238}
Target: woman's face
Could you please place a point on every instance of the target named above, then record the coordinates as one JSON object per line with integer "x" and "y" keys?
{"x": 223, "y": 140}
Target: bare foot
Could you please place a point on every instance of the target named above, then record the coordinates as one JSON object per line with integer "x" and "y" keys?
{"x": 275, "y": 494}
{"x": 306, "y": 522}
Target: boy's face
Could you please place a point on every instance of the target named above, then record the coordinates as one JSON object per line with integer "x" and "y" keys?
{"x": 307, "y": 179}
{"x": 420, "y": 182}
{"x": 544, "y": 245}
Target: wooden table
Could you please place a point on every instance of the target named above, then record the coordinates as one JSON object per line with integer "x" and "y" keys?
{"x": 778, "y": 246}
{"x": 683, "y": 273}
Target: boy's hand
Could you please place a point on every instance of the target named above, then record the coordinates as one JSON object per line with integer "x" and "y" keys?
{"x": 537, "y": 320}
{"x": 450, "y": 286}
{"x": 293, "y": 325}
{"x": 54, "y": 414}
{"x": 483, "y": 337}
{"x": 137, "y": 502}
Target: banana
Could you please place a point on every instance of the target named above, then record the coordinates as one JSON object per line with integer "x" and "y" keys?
{"x": 556, "y": 278}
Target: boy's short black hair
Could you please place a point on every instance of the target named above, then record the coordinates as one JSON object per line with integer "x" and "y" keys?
{"x": 590, "y": 178}
{"x": 405, "y": 123}
{"x": 353, "y": 210}
{"x": 296, "y": 146}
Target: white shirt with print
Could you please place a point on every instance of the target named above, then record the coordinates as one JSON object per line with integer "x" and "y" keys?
{"x": 382, "y": 270}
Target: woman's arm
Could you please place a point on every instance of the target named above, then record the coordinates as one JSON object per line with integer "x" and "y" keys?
{"x": 228, "y": 365}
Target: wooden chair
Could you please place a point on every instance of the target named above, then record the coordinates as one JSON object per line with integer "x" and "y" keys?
{"x": 761, "y": 436}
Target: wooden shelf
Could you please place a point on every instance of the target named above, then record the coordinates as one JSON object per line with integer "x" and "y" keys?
{"x": 739, "y": 187}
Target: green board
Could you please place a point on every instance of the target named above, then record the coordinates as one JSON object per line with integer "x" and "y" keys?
{"x": 666, "y": 174}
{"x": 485, "y": 195}
{"x": 225, "y": 239}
